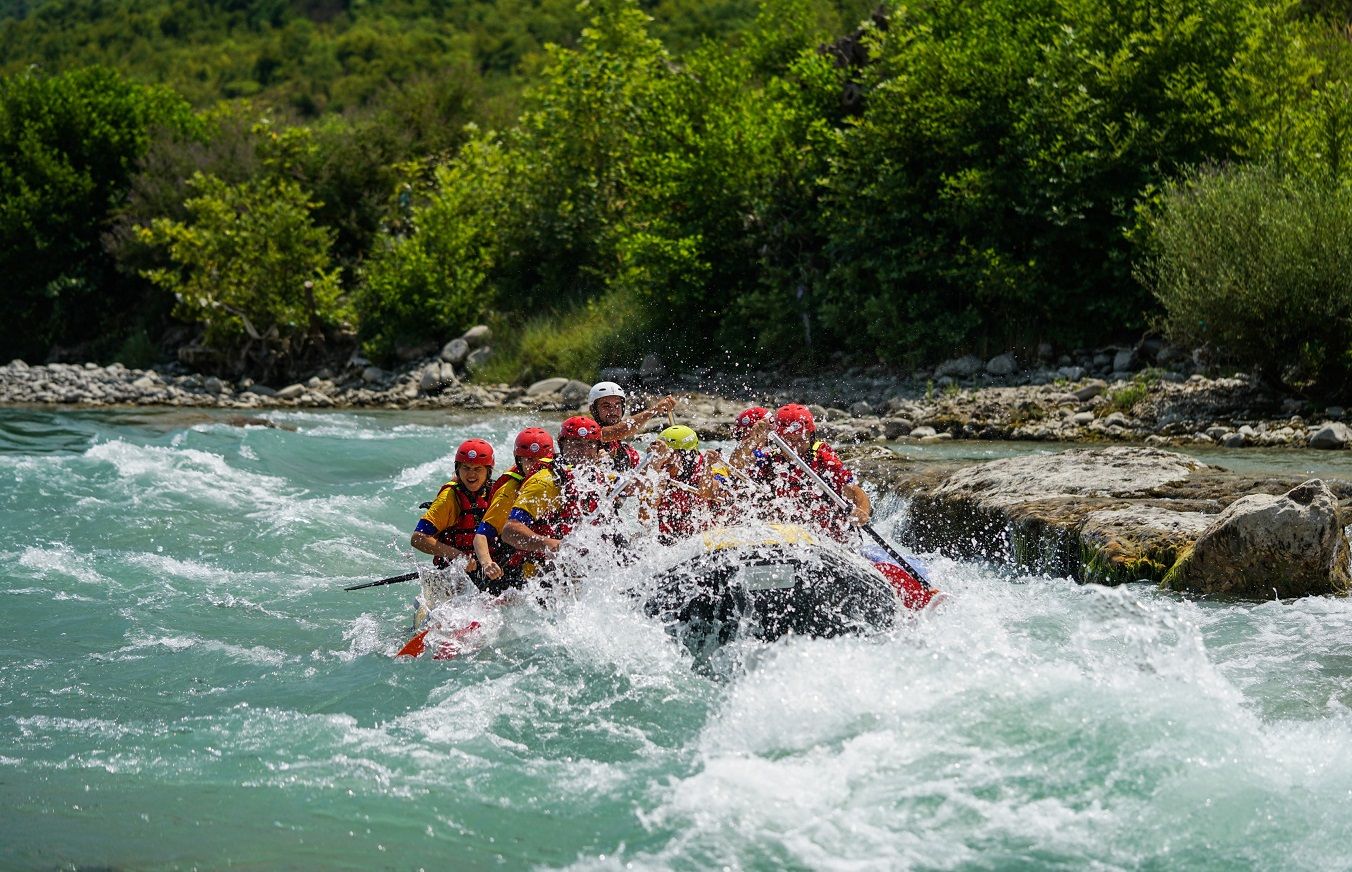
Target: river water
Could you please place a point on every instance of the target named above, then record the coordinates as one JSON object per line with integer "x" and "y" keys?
{"x": 186, "y": 684}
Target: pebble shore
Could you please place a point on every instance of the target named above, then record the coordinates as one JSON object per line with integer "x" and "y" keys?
{"x": 961, "y": 399}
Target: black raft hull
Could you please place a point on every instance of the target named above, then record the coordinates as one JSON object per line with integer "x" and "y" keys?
{"x": 770, "y": 589}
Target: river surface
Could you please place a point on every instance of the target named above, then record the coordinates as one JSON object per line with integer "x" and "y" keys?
{"x": 186, "y": 684}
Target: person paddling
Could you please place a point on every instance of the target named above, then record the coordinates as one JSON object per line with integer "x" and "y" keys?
{"x": 794, "y": 496}
{"x": 501, "y": 563}
{"x": 446, "y": 529}
{"x": 607, "y": 402}
{"x": 553, "y": 500}
{"x": 690, "y": 487}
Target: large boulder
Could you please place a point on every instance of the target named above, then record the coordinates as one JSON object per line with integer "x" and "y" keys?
{"x": 1108, "y": 515}
{"x": 1335, "y": 436}
{"x": 960, "y": 367}
{"x": 1263, "y": 545}
{"x": 546, "y": 386}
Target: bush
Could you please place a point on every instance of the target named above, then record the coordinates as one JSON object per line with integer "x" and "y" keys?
{"x": 1257, "y": 266}
{"x": 250, "y": 266}
{"x": 69, "y": 145}
{"x": 428, "y": 279}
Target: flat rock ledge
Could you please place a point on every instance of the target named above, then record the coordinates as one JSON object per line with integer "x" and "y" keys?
{"x": 1121, "y": 514}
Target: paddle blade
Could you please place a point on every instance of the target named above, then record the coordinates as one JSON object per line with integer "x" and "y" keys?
{"x": 413, "y": 647}
{"x": 914, "y": 594}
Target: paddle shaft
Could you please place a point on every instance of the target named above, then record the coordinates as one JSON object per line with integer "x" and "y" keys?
{"x": 408, "y": 576}
{"x": 844, "y": 506}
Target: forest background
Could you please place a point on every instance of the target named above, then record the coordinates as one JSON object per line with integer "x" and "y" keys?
{"x": 248, "y": 183}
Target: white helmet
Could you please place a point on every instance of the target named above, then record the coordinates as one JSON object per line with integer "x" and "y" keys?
{"x": 605, "y": 389}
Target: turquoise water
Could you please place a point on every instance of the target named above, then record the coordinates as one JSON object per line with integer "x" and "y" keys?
{"x": 187, "y": 685}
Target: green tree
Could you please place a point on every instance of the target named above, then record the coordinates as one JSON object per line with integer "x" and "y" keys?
{"x": 69, "y": 145}
{"x": 252, "y": 268}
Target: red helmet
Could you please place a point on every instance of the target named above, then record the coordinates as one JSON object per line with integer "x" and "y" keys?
{"x": 745, "y": 421}
{"x": 580, "y": 427}
{"x": 794, "y": 418}
{"x": 475, "y": 452}
{"x": 534, "y": 443}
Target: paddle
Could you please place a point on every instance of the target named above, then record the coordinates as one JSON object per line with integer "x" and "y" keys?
{"x": 395, "y": 579}
{"x": 845, "y": 506}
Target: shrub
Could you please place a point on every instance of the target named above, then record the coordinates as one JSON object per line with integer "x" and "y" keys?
{"x": 249, "y": 265}
{"x": 1257, "y": 265}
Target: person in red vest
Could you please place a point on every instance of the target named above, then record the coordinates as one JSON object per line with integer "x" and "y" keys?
{"x": 555, "y": 499}
{"x": 607, "y": 400}
{"x": 500, "y": 562}
{"x": 795, "y": 497}
{"x": 690, "y": 488}
{"x": 446, "y": 530}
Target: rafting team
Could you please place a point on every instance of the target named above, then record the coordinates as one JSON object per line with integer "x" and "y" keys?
{"x": 508, "y": 530}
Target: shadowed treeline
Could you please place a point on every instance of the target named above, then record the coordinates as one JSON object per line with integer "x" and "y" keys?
{"x": 795, "y": 181}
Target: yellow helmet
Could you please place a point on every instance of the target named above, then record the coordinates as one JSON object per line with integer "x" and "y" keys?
{"x": 680, "y": 437}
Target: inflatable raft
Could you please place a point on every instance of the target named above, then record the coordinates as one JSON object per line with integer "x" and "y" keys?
{"x": 769, "y": 582}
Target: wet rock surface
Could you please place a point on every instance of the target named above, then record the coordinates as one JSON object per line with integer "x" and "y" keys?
{"x": 1123, "y": 513}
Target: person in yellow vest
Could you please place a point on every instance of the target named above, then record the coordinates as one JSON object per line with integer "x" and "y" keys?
{"x": 502, "y": 564}
{"x": 446, "y": 529}
{"x": 554, "y": 500}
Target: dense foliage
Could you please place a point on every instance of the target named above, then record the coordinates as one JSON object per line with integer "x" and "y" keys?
{"x": 784, "y": 181}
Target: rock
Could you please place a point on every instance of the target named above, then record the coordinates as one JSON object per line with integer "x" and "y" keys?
{"x": 1091, "y": 390}
{"x": 1073, "y": 373}
{"x": 1125, "y": 360}
{"x": 1334, "y": 412}
{"x": 547, "y": 386}
{"x": 960, "y": 367}
{"x": 861, "y": 409}
{"x": 652, "y": 367}
{"x": 1136, "y": 543}
{"x": 291, "y": 392}
{"x": 145, "y": 383}
{"x": 923, "y": 432}
{"x": 435, "y": 377}
{"x": 261, "y": 390}
{"x": 1116, "y": 419}
{"x": 1332, "y": 436}
{"x": 1262, "y": 545}
{"x": 1001, "y": 365}
{"x": 477, "y": 336}
{"x": 478, "y": 357}
{"x": 19, "y": 365}
{"x": 213, "y": 385}
{"x": 455, "y": 351}
{"x": 372, "y": 374}
{"x": 575, "y": 391}
{"x": 1102, "y": 360}
{"x": 895, "y": 428}
{"x": 1234, "y": 440}
{"x": 1082, "y": 419}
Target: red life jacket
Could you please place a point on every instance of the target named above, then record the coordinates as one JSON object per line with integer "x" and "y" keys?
{"x": 472, "y": 507}
{"x": 625, "y": 457}
{"x": 798, "y": 496}
{"x": 676, "y": 511}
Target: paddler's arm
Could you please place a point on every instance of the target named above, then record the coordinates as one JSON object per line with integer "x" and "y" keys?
{"x": 485, "y": 557}
{"x": 863, "y": 508}
{"x": 627, "y": 427}
{"x": 745, "y": 452}
{"x": 429, "y": 544}
{"x": 523, "y": 538}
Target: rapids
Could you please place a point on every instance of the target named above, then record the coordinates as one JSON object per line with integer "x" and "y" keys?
{"x": 186, "y": 684}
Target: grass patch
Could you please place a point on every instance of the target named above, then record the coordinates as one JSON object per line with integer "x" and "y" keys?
{"x": 574, "y": 342}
